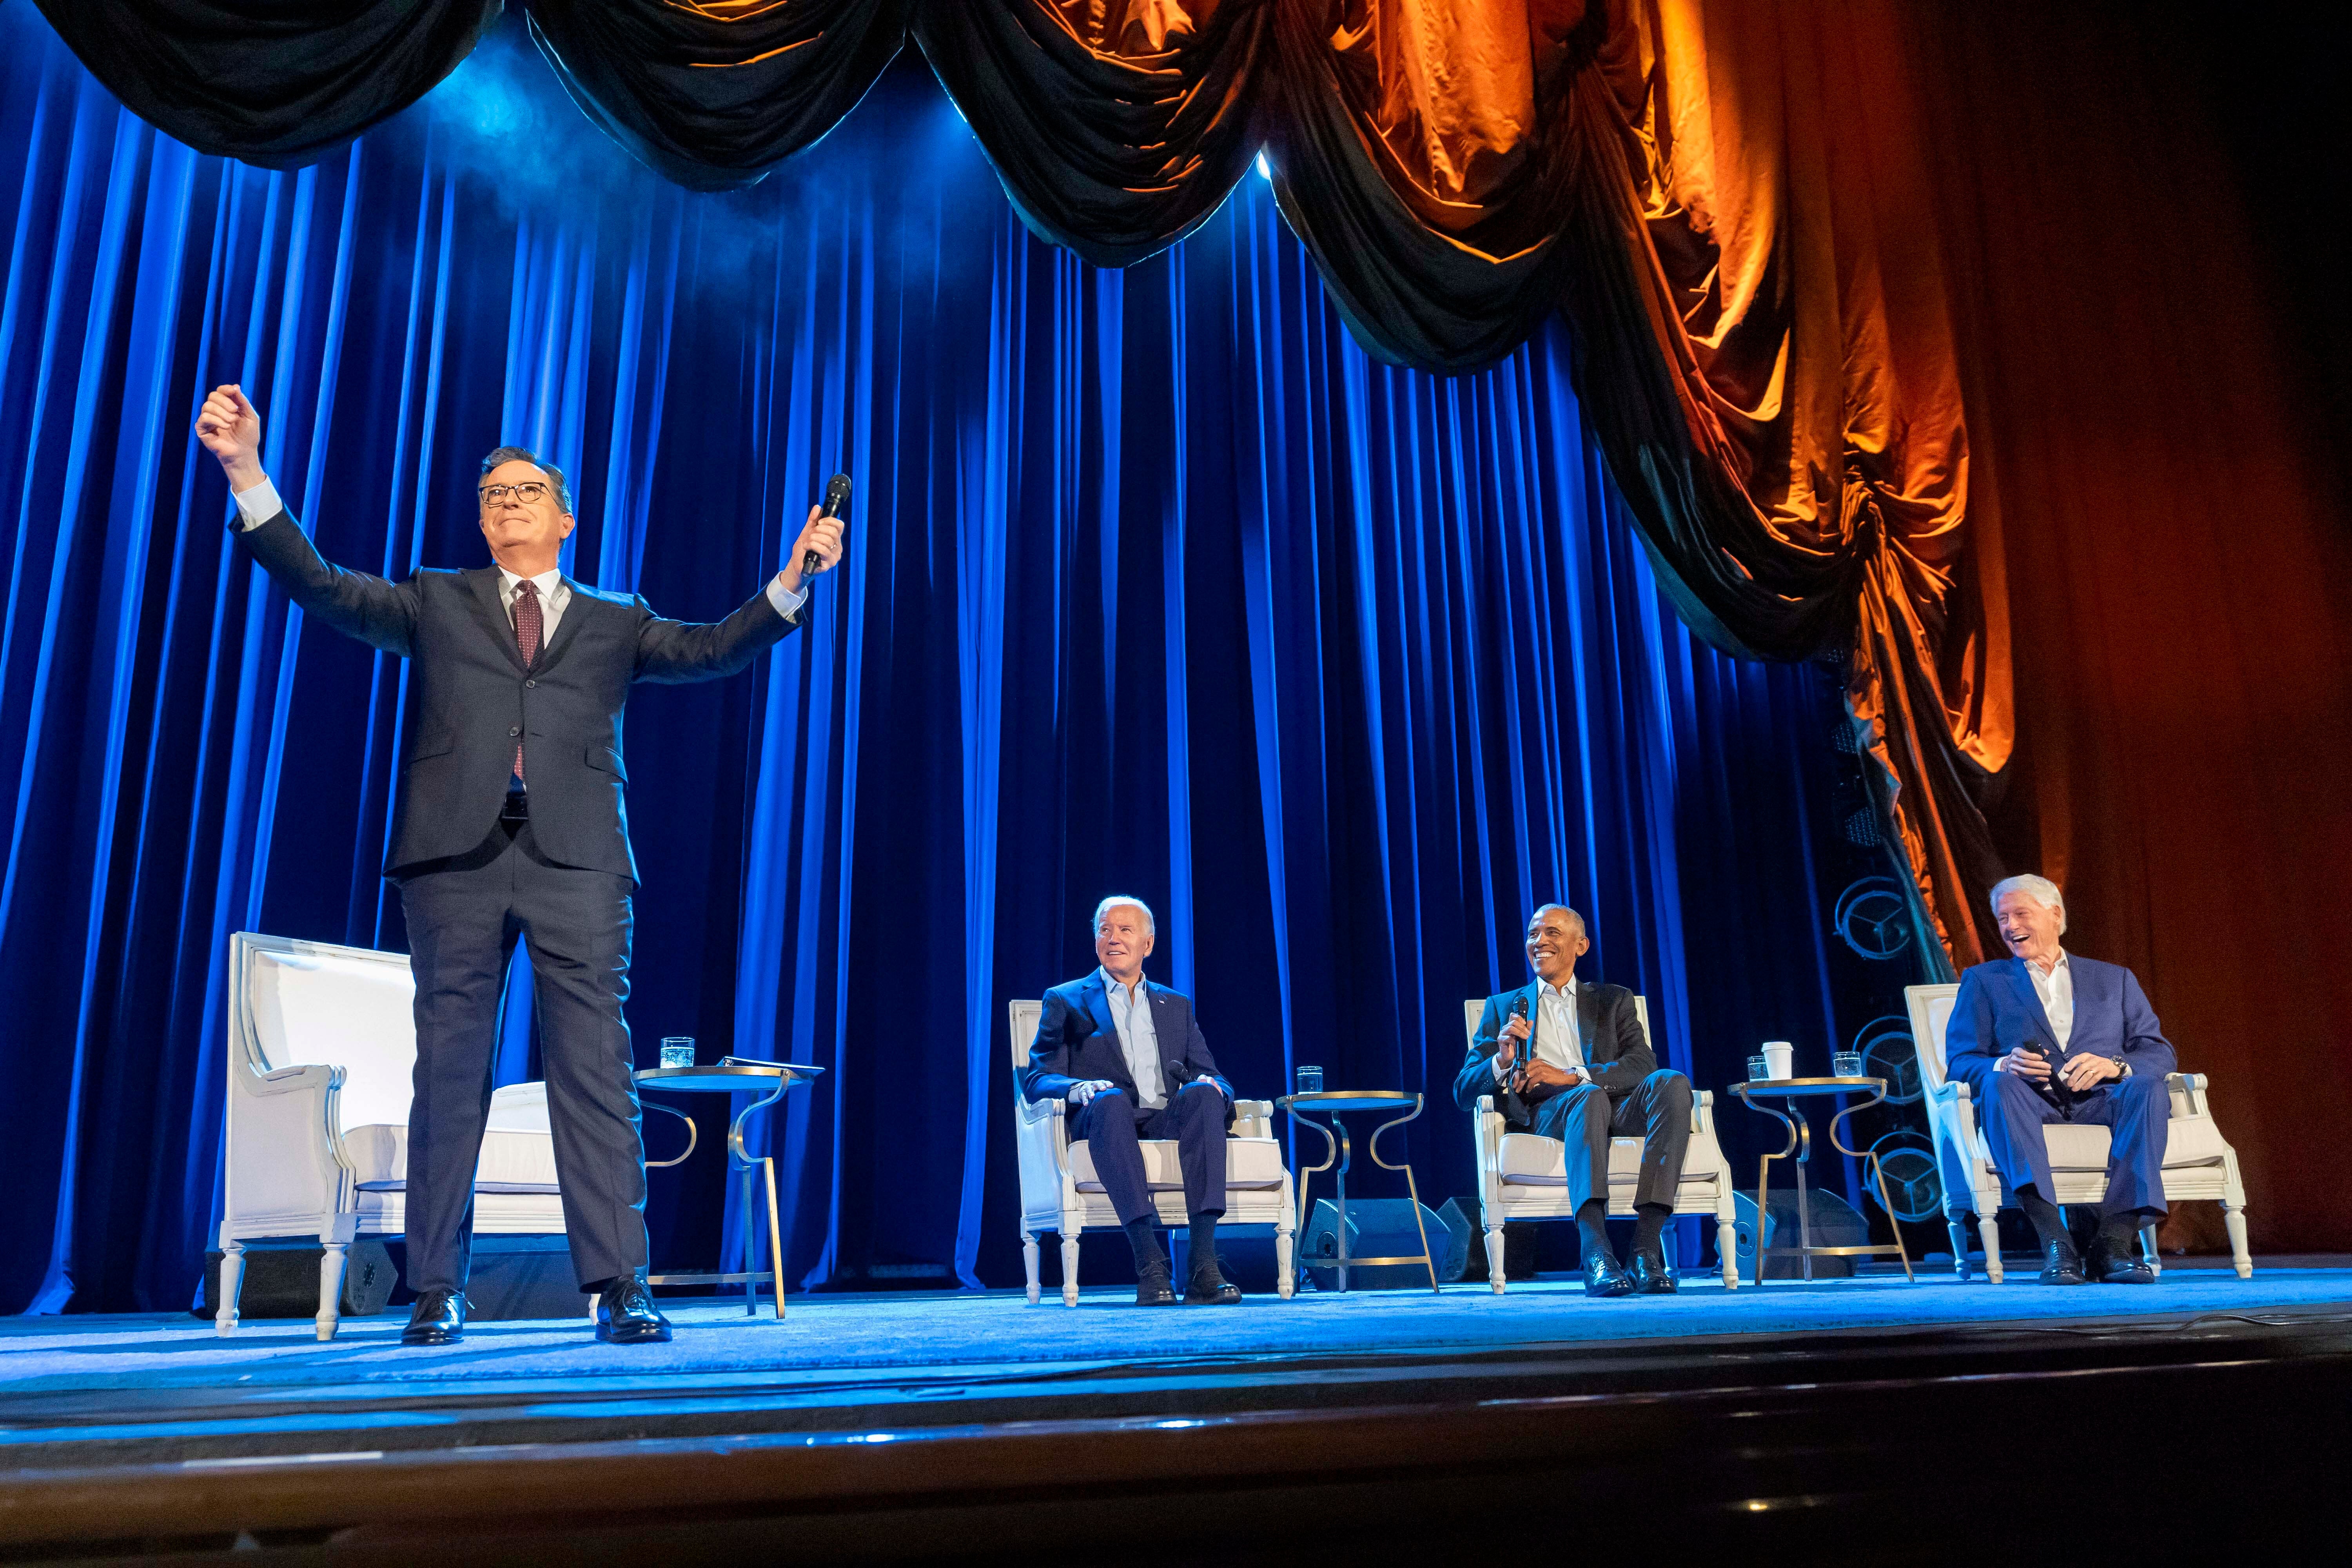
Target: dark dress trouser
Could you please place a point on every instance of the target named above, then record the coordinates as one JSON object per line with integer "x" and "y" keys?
{"x": 2135, "y": 1111}
{"x": 465, "y": 916}
{"x": 1657, "y": 1112}
{"x": 1113, "y": 1126}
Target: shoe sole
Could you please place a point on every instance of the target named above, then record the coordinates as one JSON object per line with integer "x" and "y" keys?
{"x": 657, "y": 1337}
{"x": 407, "y": 1343}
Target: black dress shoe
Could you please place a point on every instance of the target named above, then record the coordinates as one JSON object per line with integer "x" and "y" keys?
{"x": 1604, "y": 1275}
{"x": 439, "y": 1318}
{"x": 1209, "y": 1288}
{"x": 1653, "y": 1275}
{"x": 2061, "y": 1268}
{"x": 625, "y": 1314}
{"x": 1154, "y": 1288}
{"x": 2116, "y": 1266}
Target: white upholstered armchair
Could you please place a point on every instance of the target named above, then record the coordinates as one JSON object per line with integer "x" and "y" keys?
{"x": 322, "y": 1047}
{"x": 2197, "y": 1164}
{"x": 1524, "y": 1175}
{"x": 1060, "y": 1192}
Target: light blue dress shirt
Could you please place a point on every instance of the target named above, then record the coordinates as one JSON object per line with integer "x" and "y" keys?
{"x": 1139, "y": 1039}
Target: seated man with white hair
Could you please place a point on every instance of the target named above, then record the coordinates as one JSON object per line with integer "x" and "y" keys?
{"x": 1128, "y": 1056}
{"x": 2047, "y": 1036}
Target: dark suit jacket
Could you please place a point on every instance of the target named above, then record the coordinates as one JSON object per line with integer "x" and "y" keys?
{"x": 1076, "y": 1041}
{"x": 1617, "y": 1054}
{"x": 471, "y": 698}
{"x": 1998, "y": 1010}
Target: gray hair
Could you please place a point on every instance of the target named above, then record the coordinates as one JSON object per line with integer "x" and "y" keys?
{"x": 1126, "y": 900}
{"x": 525, "y": 455}
{"x": 2041, "y": 889}
{"x": 1543, "y": 910}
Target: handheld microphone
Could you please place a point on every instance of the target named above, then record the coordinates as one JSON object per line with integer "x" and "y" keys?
{"x": 1519, "y": 1010}
{"x": 837, "y": 496}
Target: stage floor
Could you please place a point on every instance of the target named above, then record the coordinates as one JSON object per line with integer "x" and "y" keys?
{"x": 893, "y": 1426}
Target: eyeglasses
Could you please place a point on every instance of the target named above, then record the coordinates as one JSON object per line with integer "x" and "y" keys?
{"x": 525, "y": 493}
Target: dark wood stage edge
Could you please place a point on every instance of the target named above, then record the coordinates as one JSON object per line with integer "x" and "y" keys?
{"x": 2090, "y": 1440}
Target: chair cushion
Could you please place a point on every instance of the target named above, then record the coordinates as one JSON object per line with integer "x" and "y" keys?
{"x": 1532, "y": 1160}
{"x": 1250, "y": 1163}
{"x": 514, "y": 1160}
{"x": 2075, "y": 1146}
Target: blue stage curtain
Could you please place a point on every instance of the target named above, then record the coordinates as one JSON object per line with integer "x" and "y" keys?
{"x": 1157, "y": 585}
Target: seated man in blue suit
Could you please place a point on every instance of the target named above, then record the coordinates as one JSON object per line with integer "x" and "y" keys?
{"x": 2045, "y": 1038}
{"x": 1128, "y": 1056}
{"x": 1570, "y": 1061}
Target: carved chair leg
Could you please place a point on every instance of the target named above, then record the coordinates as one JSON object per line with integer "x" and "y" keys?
{"x": 232, "y": 1281}
{"x": 1070, "y": 1263}
{"x": 1959, "y": 1245}
{"x": 1991, "y": 1231}
{"x": 1285, "y": 1276}
{"x": 2233, "y": 1218}
{"x": 1726, "y": 1252}
{"x": 334, "y": 1257}
{"x": 1495, "y": 1259}
{"x": 1029, "y": 1263}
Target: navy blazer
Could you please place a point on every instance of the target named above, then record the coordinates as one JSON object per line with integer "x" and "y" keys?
{"x": 1617, "y": 1054}
{"x": 1076, "y": 1041}
{"x": 1998, "y": 1010}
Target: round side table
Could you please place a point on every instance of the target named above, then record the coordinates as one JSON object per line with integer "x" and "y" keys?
{"x": 1788, "y": 1092}
{"x": 770, "y": 1080}
{"x": 1336, "y": 1105}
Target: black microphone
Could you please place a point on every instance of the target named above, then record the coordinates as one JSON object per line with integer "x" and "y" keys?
{"x": 837, "y": 496}
{"x": 1519, "y": 1010}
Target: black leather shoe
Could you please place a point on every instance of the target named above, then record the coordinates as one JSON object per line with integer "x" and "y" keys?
{"x": 1653, "y": 1275}
{"x": 439, "y": 1318}
{"x": 1154, "y": 1288}
{"x": 625, "y": 1314}
{"x": 2063, "y": 1267}
{"x": 1210, "y": 1288}
{"x": 1604, "y": 1275}
{"x": 2116, "y": 1266}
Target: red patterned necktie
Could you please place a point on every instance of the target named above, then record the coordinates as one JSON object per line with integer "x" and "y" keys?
{"x": 527, "y": 623}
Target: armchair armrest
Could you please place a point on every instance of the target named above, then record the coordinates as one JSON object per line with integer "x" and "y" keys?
{"x": 309, "y": 1078}
{"x": 1033, "y": 1111}
{"x": 1951, "y": 1091}
{"x": 1252, "y": 1119}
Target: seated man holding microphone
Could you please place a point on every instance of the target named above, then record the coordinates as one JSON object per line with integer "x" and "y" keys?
{"x": 1128, "y": 1056}
{"x": 1570, "y": 1061}
{"x": 2045, "y": 1037}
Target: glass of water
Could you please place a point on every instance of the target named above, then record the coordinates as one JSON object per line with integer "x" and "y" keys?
{"x": 678, "y": 1051}
{"x": 1310, "y": 1080}
{"x": 1846, "y": 1064}
{"x": 1759, "y": 1070}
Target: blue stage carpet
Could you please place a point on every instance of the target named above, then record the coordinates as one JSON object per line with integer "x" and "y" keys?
{"x": 830, "y": 1335}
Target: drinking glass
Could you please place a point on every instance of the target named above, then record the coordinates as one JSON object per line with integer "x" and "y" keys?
{"x": 1759, "y": 1070}
{"x": 1846, "y": 1064}
{"x": 678, "y": 1051}
{"x": 1310, "y": 1080}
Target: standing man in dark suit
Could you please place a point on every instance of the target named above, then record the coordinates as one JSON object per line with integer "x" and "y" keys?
{"x": 511, "y": 825}
{"x": 2045, "y": 1037}
{"x": 1571, "y": 1061}
{"x": 1129, "y": 1057}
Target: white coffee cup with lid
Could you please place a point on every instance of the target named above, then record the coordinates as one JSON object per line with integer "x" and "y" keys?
{"x": 1780, "y": 1058}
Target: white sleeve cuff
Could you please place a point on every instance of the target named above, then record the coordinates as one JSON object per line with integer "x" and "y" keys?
{"x": 257, "y": 505}
{"x": 787, "y": 604}
{"x": 1501, "y": 1070}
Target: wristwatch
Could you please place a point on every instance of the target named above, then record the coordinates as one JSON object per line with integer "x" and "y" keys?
{"x": 2123, "y": 1067}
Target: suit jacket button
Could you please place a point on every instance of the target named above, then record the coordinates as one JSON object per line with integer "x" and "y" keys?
{"x": 531, "y": 683}
{"x": 514, "y": 728}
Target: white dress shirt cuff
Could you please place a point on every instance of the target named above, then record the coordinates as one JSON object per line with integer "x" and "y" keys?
{"x": 787, "y": 604}
{"x": 1502, "y": 1072}
{"x": 258, "y": 506}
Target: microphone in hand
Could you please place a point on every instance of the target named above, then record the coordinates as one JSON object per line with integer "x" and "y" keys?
{"x": 836, "y": 501}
